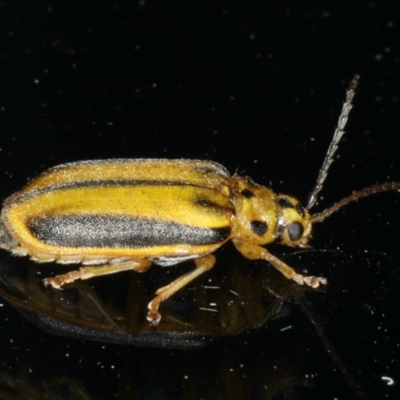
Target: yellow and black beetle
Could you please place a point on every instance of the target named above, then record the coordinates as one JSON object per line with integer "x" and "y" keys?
{"x": 117, "y": 215}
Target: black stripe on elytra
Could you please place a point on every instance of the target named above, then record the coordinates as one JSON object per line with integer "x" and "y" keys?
{"x": 206, "y": 203}
{"x": 105, "y": 231}
{"x": 212, "y": 169}
{"x": 105, "y": 183}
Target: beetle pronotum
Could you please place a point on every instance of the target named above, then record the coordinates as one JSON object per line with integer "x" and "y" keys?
{"x": 118, "y": 215}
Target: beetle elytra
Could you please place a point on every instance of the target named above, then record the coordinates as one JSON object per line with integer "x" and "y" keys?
{"x": 118, "y": 215}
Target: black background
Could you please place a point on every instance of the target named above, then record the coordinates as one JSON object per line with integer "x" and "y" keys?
{"x": 257, "y": 86}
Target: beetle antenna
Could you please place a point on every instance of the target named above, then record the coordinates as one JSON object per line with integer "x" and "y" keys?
{"x": 339, "y": 131}
{"x": 368, "y": 191}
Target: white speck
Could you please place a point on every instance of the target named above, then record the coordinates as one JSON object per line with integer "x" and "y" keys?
{"x": 286, "y": 328}
{"x": 389, "y": 380}
{"x": 208, "y": 309}
{"x": 36, "y": 81}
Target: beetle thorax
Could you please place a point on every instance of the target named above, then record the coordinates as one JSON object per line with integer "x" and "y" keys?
{"x": 256, "y": 218}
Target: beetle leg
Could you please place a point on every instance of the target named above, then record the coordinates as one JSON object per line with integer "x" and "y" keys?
{"x": 203, "y": 264}
{"x": 98, "y": 270}
{"x": 254, "y": 252}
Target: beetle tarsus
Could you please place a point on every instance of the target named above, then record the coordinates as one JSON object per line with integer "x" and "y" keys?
{"x": 60, "y": 280}
{"x": 53, "y": 282}
{"x": 153, "y": 316}
{"x": 312, "y": 281}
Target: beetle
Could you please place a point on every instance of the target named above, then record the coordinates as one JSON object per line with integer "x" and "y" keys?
{"x": 125, "y": 214}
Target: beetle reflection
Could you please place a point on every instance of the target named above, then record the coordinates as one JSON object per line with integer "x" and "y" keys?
{"x": 258, "y": 310}
{"x": 111, "y": 310}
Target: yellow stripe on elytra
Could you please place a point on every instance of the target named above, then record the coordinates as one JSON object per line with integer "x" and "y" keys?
{"x": 187, "y": 205}
{"x": 180, "y": 204}
{"x": 46, "y": 252}
{"x": 189, "y": 171}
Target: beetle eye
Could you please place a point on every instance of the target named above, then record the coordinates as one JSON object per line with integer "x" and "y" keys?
{"x": 295, "y": 231}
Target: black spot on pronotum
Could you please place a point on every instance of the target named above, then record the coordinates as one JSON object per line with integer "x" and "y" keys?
{"x": 285, "y": 203}
{"x": 247, "y": 193}
{"x": 259, "y": 227}
{"x": 295, "y": 231}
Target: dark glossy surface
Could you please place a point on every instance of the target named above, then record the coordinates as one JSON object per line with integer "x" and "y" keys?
{"x": 257, "y": 88}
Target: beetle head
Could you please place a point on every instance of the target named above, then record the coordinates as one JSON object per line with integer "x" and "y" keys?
{"x": 294, "y": 222}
